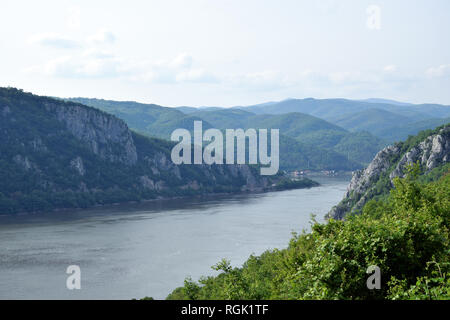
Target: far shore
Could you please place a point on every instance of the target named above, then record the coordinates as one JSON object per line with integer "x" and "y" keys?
{"x": 157, "y": 199}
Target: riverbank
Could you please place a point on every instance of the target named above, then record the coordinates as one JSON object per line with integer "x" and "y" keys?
{"x": 284, "y": 184}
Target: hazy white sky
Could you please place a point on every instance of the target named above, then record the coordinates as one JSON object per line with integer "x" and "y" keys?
{"x": 224, "y": 53}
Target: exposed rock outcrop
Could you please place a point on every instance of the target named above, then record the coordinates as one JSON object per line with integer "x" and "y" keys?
{"x": 78, "y": 165}
{"x": 430, "y": 153}
{"x": 104, "y": 134}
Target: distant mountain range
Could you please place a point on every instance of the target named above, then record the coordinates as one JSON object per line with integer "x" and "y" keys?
{"x": 396, "y": 119}
{"x": 386, "y": 101}
{"x": 317, "y": 134}
{"x": 330, "y": 109}
{"x": 307, "y": 142}
{"x": 348, "y": 132}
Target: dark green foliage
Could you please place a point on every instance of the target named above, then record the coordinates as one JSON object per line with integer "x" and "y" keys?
{"x": 295, "y": 155}
{"x": 377, "y": 121}
{"x": 406, "y": 236}
{"x": 307, "y": 143}
{"x": 401, "y": 132}
{"x": 287, "y": 184}
{"x": 37, "y": 150}
{"x": 359, "y": 146}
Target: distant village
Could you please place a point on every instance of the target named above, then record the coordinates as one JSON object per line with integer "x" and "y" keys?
{"x": 301, "y": 173}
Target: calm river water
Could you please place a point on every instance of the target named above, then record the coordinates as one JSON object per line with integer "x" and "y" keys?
{"x": 136, "y": 250}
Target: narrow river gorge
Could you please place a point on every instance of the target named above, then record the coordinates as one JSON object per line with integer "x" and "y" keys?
{"x": 148, "y": 249}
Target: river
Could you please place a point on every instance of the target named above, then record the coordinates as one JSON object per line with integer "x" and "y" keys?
{"x": 148, "y": 249}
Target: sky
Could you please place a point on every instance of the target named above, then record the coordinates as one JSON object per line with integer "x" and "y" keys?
{"x": 229, "y": 52}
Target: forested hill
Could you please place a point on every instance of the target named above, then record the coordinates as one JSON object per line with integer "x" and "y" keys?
{"x": 430, "y": 149}
{"x": 57, "y": 154}
{"x": 307, "y": 142}
{"x": 386, "y": 119}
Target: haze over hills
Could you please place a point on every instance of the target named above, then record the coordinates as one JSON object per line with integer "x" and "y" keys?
{"x": 354, "y": 129}
{"x": 388, "y": 125}
{"x": 374, "y": 120}
{"x": 389, "y": 120}
{"x": 343, "y": 150}
{"x": 331, "y": 109}
{"x": 387, "y": 101}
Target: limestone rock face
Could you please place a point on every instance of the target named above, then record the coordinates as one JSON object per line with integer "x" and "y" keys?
{"x": 110, "y": 139}
{"x": 78, "y": 165}
{"x": 104, "y": 134}
{"x": 430, "y": 153}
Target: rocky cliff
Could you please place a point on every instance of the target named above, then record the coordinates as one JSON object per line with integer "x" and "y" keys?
{"x": 58, "y": 154}
{"x": 431, "y": 152}
{"x": 104, "y": 134}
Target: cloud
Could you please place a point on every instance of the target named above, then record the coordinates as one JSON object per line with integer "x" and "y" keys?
{"x": 315, "y": 80}
{"x": 263, "y": 80}
{"x": 102, "y": 36}
{"x": 97, "y": 53}
{"x": 196, "y": 76}
{"x": 439, "y": 71}
{"x": 96, "y": 63}
{"x": 390, "y": 68}
{"x": 90, "y": 61}
{"x": 54, "y": 40}
{"x": 82, "y": 66}
{"x": 183, "y": 60}
{"x": 354, "y": 77}
{"x": 170, "y": 71}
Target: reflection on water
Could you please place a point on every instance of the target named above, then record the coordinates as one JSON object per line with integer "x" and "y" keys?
{"x": 147, "y": 249}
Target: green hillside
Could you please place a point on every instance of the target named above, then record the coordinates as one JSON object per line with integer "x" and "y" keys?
{"x": 401, "y": 132}
{"x": 387, "y": 125}
{"x": 312, "y": 148}
{"x": 360, "y": 146}
{"x": 225, "y": 118}
{"x": 149, "y": 119}
{"x": 58, "y": 154}
{"x": 295, "y": 155}
{"x": 296, "y": 125}
{"x": 333, "y": 109}
{"x": 390, "y": 121}
{"x": 376, "y": 121}
{"x": 405, "y": 234}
